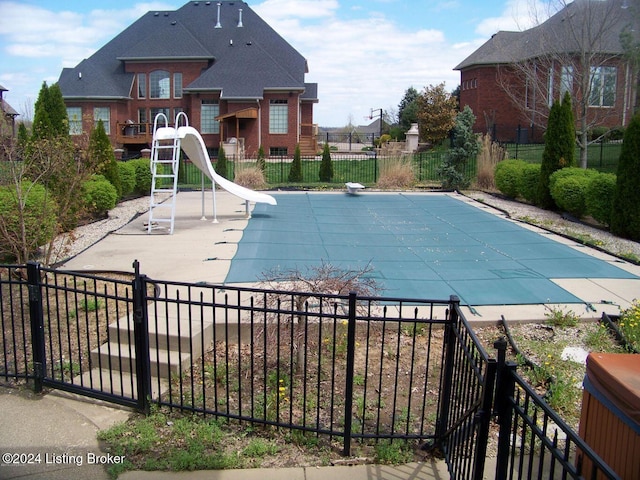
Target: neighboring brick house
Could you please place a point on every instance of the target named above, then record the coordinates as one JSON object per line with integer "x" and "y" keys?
{"x": 238, "y": 81}
{"x": 9, "y": 114}
{"x": 496, "y": 79}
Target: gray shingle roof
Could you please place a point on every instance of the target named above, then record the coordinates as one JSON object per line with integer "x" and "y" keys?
{"x": 597, "y": 22}
{"x": 244, "y": 60}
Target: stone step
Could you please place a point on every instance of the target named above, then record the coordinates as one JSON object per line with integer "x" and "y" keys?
{"x": 119, "y": 358}
{"x": 118, "y": 383}
{"x": 164, "y": 334}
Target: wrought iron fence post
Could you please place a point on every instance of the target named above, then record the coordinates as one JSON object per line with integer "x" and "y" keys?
{"x": 141, "y": 336}
{"x": 36, "y": 319}
{"x": 505, "y": 386}
{"x": 447, "y": 369}
{"x": 351, "y": 346}
{"x": 483, "y": 417}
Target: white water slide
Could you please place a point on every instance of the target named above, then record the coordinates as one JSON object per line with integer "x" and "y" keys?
{"x": 190, "y": 141}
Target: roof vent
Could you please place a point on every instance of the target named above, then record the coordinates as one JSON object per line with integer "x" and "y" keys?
{"x": 79, "y": 75}
{"x": 240, "y": 19}
{"x": 218, "y": 25}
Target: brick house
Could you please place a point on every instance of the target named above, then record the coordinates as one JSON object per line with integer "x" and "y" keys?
{"x": 9, "y": 114}
{"x": 239, "y": 82}
{"x": 511, "y": 81}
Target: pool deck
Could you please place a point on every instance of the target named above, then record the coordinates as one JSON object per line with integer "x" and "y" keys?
{"x": 200, "y": 250}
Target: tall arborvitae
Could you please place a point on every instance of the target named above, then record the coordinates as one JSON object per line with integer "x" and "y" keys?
{"x": 102, "y": 155}
{"x": 50, "y": 114}
{"x": 295, "y": 174}
{"x": 222, "y": 166}
{"x": 559, "y": 147}
{"x": 625, "y": 217}
{"x": 326, "y": 165}
{"x": 261, "y": 162}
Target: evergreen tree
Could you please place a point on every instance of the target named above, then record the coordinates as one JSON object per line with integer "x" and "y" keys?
{"x": 23, "y": 136}
{"x": 222, "y": 166}
{"x": 408, "y": 109}
{"x": 465, "y": 148}
{"x": 50, "y": 114}
{"x": 295, "y": 174}
{"x": 625, "y": 217}
{"x": 261, "y": 159}
{"x": 559, "y": 147}
{"x": 326, "y": 165}
{"x": 102, "y": 155}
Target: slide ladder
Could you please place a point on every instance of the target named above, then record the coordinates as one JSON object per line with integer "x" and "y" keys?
{"x": 165, "y": 158}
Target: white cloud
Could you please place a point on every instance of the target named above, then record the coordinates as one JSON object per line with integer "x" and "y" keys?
{"x": 361, "y": 60}
{"x": 518, "y": 15}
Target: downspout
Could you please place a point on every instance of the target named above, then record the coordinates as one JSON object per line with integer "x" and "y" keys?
{"x": 259, "y": 122}
{"x": 626, "y": 104}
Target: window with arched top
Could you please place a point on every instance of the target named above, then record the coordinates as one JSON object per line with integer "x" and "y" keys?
{"x": 159, "y": 84}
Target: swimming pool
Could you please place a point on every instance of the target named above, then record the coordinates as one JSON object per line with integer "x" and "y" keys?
{"x": 420, "y": 245}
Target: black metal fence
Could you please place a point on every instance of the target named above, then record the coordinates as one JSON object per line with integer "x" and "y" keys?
{"x": 361, "y": 168}
{"x": 347, "y": 367}
{"x": 533, "y": 441}
{"x": 366, "y": 167}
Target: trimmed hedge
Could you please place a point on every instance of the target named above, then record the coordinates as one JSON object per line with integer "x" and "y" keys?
{"x": 100, "y": 195}
{"x": 38, "y": 217}
{"x": 599, "y": 197}
{"x": 568, "y": 187}
{"x": 143, "y": 175}
{"x": 507, "y": 176}
{"x": 529, "y": 182}
{"x": 127, "y": 174}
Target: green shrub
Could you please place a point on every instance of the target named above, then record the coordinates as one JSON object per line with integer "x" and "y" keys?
{"x": 529, "y": 182}
{"x": 507, "y": 176}
{"x": 326, "y": 165}
{"x": 570, "y": 172}
{"x": 569, "y": 193}
{"x": 27, "y": 228}
{"x": 625, "y": 217}
{"x": 127, "y": 173}
{"x": 616, "y": 133}
{"x": 100, "y": 195}
{"x": 143, "y": 175}
{"x": 599, "y": 196}
{"x": 295, "y": 172}
{"x": 598, "y": 133}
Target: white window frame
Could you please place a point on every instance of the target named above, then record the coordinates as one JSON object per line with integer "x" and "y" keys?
{"x": 209, "y": 110}
{"x": 74, "y": 115}
{"x": 602, "y": 78}
{"x": 159, "y": 85}
{"x": 104, "y": 114}
{"x": 279, "y": 116}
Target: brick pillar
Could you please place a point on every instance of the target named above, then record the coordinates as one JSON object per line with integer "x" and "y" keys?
{"x": 146, "y": 153}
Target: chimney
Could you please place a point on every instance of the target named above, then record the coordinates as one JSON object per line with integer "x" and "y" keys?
{"x": 240, "y": 20}
{"x": 218, "y": 25}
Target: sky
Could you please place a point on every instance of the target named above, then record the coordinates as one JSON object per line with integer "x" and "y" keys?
{"x": 363, "y": 54}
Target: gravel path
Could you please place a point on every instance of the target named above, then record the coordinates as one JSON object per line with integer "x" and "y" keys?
{"x": 70, "y": 244}
{"x": 556, "y": 223}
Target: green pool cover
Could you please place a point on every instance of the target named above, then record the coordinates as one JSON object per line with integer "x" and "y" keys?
{"x": 427, "y": 246}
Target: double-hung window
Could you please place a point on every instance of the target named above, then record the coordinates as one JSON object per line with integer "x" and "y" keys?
{"x": 603, "y": 86}
{"x": 104, "y": 114}
{"x": 74, "y": 114}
